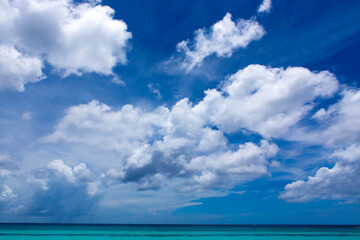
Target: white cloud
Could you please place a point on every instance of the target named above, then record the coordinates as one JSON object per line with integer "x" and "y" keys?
{"x": 265, "y": 7}
{"x": 99, "y": 126}
{"x": 79, "y": 173}
{"x": 338, "y": 127}
{"x": 6, "y": 193}
{"x": 17, "y": 69}
{"x": 185, "y": 147}
{"x": 211, "y": 140}
{"x": 189, "y": 139}
{"x": 341, "y": 120}
{"x": 249, "y": 158}
{"x": 339, "y": 182}
{"x": 62, "y": 169}
{"x": 223, "y": 38}
{"x": 92, "y": 41}
{"x": 74, "y": 38}
{"x": 61, "y": 190}
{"x": 152, "y": 146}
{"x": 46, "y": 183}
{"x": 229, "y": 168}
{"x": 266, "y": 100}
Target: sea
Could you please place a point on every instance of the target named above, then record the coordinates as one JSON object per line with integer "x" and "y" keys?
{"x": 178, "y": 232}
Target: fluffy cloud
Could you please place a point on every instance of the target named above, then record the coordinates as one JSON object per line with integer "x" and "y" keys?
{"x": 173, "y": 151}
{"x": 61, "y": 185}
{"x": 17, "y": 69}
{"x": 187, "y": 141}
{"x": 97, "y": 125}
{"x": 223, "y": 38}
{"x": 338, "y": 182}
{"x": 6, "y": 193}
{"x": 62, "y": 199}
{"x": 73, "y": 38}
{"x": 249, "y": 158}
{"x": 184, "y": 147}
{"x": 266, "y": 100}
{"x": 232, "y": 167}
{"x": 341, "y": 121}
{"x": 265, "y": 7}
{"x": 339, "y": 125}
{"x": 153, "y": 146}
{"x": 78, "y": 175}
{"x": 7, "y": 166}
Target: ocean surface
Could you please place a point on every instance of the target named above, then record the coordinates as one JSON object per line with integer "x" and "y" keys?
{"x": 87, "y": 232}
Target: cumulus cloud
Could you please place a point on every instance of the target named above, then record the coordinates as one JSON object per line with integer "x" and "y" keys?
{"x": 188, "y": 140}
{"x": 17, "y": 69}
{"x": 62, "y": 199}
{"x": 341, "y": 121}
{"x": 64, "y": 190}
{"x": 222, "y": 39}
{"x": 249, "y": 158}
{"x": 97, "y": 125}
{"x": 221, "y": 168}
{"x": 74, "y": 38}
{"x": 76, "y": 175}
{"x": 339, "y": 126}
{"x": 7, "y": 166}
{"x": 6, "y": 193}
{"x": 265, "y": 7}
{"x": 338, "y": 182}
{"x": 183, "y": 147}
{"x": 161, "y": 144}
{"x": 266, "y": 100}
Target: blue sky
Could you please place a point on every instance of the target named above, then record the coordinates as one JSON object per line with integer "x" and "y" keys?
{"x": 221, "y": 112}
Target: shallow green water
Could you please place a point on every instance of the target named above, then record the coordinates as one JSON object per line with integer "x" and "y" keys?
{"x": 87, "y": 232}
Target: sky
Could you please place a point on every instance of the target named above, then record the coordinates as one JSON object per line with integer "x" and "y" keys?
{"x": 183, "y": 112}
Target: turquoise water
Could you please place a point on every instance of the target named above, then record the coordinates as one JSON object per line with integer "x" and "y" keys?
{"x": 87, "y": 232}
